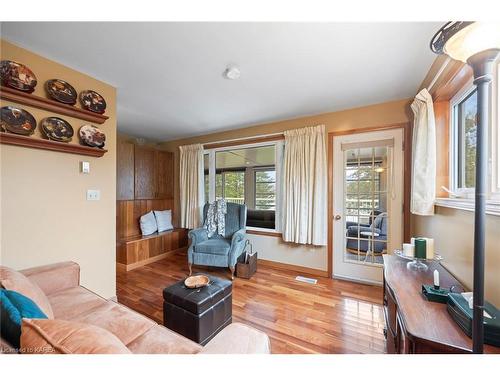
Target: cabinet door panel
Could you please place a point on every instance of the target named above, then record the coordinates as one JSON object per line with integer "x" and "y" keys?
{"x": 145, "y": 173}
{"x": 165, "y": 175}
{"x": 124, "y": 171}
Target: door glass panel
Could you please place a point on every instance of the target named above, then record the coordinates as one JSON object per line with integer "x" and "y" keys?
{"x": 365, "y": 204}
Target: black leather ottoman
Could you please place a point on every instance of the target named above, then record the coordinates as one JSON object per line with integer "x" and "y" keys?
{"x": 198, "y": 314}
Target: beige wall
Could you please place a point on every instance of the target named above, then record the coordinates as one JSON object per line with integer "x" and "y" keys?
{"x": 271, "y": 248}
{"x": 453, "y": 231}
{"x": 45, "y": 215}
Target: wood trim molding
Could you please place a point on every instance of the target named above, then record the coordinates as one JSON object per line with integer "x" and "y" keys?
{"x": 452, "y": 81}
{"x": 397, "y": 125}
{"x": 6, "y": 93}
{"x": 407, "y": 134}
{"x": 264, "y": 233}
{"x": 292, "y": 267}
{"x": 239, "y": 142}
{"x": 45, "y": 144}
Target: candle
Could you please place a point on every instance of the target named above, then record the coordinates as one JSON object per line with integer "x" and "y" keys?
{"x": 420, "y": 248}
{"x": 409, "y": 250}
{"x": 429, "y": 248}
{"x": 436, "y": 279}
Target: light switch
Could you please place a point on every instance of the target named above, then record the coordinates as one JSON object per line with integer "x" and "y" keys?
{"x": 85, "y": 167}
{"x": 93, "y": 195}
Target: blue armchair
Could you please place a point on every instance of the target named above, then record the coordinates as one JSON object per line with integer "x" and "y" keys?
{"x": 219, "y": 251}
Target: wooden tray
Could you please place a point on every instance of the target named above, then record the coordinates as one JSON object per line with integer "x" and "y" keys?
{"x": 198, "y": 281}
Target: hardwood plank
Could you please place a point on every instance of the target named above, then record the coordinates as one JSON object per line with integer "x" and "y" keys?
{"x": 333, "y": 316}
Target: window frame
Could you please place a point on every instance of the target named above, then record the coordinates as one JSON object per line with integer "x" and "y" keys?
{"x": 278, "y": 161}
{"x": 455, "y": 142}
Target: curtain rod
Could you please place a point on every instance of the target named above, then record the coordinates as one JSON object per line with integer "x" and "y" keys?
{"x": 242, "y": 139}
{"x": 438, "y": 74}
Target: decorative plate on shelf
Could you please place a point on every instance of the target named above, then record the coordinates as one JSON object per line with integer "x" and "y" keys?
{"x": 92, "y": 101}
{"x": 92, "y": 136}
{"x": 17, "y": 76}
{"x": 61, "y": 91}
{"x": 17, "y": 121}
{"x": 57, "y": 129}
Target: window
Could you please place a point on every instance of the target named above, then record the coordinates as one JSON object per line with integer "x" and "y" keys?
{"x": 464, "y": 115}
{"x": 265, "y": 190}
{"x": 463, "y": 142}
{"x": 247, "y": 174}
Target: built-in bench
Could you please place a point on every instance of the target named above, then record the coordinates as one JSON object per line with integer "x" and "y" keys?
{"x": 136, "y": 251}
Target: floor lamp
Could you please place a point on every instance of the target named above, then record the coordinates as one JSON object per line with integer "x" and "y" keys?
{"x": 478, "y": 45}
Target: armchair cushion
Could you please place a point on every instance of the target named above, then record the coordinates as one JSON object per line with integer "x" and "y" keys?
{"x": 353, "y": 230}
{"x": 216, "y": 246}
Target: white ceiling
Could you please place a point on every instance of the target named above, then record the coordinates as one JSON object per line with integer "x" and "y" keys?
{"x": 169, "y": 75}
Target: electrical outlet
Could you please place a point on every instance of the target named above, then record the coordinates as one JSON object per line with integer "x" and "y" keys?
{"x": 93, "y": 195}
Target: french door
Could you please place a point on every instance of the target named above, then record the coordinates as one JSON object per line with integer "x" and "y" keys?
{"x": 368, "y": 202}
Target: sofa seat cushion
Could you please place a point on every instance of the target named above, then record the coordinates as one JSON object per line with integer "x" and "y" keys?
{"x": 238, "y": 338}
{"x": 160, "y": 340}
{"x": 13, "y": 280}
{"x": 215, "y": 246}
{"x": 124, "y": 323}
{"x": 72, "y": 302}
{"x": 63, "y": 337}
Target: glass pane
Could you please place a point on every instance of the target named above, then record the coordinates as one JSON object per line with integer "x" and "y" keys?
{"x": 365, "y": 204}
{"x": 468, "y": 126}
{"x": 247, "y": 175}
{"x": 207, "y": 180}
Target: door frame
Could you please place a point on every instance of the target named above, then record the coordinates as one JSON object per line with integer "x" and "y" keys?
{"x": 407, "y": 134}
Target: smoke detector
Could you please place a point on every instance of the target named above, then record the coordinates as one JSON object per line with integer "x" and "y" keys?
{"x": 232, "y": 72}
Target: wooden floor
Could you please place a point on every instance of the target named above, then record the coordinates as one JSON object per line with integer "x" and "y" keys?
{"x": 332, "y": 316}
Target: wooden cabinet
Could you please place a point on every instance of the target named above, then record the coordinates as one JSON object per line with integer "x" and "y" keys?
{"x": 143, "y": 173}
{"x": 414, "y": 325}
{"x": 124, "y": 171}
{"x": 165, "y": 181}
{"x": 146, "y": 168}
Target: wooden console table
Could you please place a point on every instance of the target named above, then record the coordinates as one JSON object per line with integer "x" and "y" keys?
{"x": 413, "y": 324}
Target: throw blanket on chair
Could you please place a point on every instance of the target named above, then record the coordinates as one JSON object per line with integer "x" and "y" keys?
{"x": 216, "y": 219}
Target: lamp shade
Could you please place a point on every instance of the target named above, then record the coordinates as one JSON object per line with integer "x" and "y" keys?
{"x": 461, "y": 40}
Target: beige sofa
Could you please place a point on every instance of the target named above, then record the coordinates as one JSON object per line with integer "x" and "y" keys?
{"x": 69, "y": 301}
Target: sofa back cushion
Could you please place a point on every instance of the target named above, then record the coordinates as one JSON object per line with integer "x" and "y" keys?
{"x": 13, "y": 280}
{"x": 13, "y": 308}
{"x": 63, "y": 337}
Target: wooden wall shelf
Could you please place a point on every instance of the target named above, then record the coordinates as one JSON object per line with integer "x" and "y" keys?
{"x": 31, "y": 100}
{"x": 45, "y": 144}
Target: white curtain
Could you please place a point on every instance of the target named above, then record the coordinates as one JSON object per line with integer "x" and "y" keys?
{"x": 304, "y": 186}
{"x": 423, "y": 179}
{"x": 191, "y": 185}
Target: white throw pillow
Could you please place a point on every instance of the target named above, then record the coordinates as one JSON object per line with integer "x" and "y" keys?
{"x": 148, "y": 223}
{"x": 164, "y": 220}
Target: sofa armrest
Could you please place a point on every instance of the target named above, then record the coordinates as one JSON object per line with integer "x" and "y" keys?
{"x": 238, "y": 338}
{"x": 54, "y": 277}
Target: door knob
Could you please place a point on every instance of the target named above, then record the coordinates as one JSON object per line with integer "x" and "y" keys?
{"x": 337, "y": 217}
